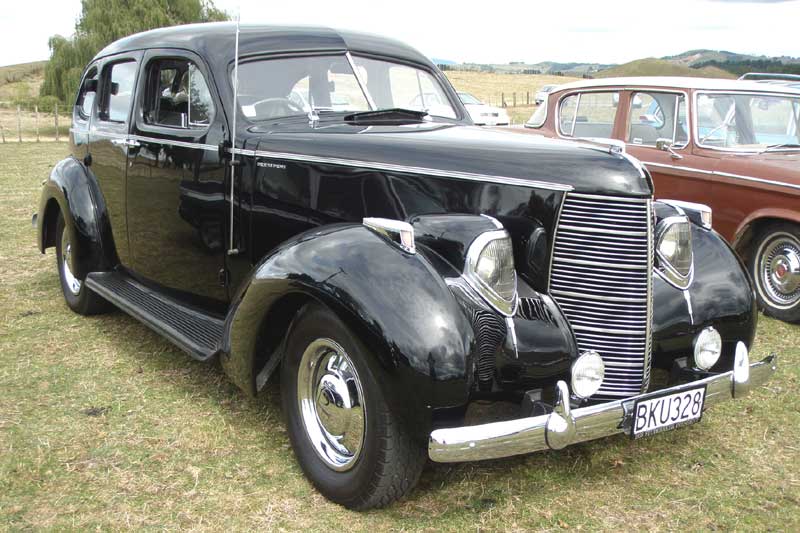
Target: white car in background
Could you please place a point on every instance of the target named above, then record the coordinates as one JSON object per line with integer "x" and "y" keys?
{"x": 482, "y": 114}
{"x": 541, "y": 96}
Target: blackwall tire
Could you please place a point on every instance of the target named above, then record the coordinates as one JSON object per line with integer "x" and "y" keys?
{"x": 77, "y": 295}
{"x": 345, "y": 437}
{"x": 775, "y": 268}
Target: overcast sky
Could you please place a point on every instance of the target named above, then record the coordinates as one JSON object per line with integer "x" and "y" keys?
{"x": 586, "y": 31}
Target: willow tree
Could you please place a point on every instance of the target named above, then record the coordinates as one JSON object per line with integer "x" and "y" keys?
{"x": 104, "y": 21}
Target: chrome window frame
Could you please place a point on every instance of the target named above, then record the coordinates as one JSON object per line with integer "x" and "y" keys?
{"x": 696, "y": 124}
{"x": 557, "y": 125}
{"x": 689, "y": 118}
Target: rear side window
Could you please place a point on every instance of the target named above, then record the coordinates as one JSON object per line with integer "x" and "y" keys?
{"x": 588, "y": 114}
{"x": 118, "y": 91}
{"x": 655, "y": 116}
{"x": 85, "y": 102}
{"x": 177, "y": 95}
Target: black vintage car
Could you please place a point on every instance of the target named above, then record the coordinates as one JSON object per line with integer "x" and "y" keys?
{"x": 319, "y": 207}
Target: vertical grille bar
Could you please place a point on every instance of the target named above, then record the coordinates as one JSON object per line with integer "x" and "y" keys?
{"x": 601, "y": 277}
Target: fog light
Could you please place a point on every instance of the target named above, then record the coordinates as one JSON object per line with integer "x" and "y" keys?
{"x": 707, "y": 348}
{"x": 587, "y": 374}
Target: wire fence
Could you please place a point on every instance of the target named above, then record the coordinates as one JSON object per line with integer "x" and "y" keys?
{"x": 29, "y": 123}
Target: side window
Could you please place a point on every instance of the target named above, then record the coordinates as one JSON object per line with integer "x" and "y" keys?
{"x": 177, "y": 95}
{"x": 654, "y": 116}
{"x": 119, "y": 79}
{"x": 85, "y": 102}
{"x": 588, "y": 114}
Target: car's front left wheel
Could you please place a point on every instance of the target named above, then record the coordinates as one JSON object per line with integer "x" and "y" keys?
{"x": 346, "y": 438}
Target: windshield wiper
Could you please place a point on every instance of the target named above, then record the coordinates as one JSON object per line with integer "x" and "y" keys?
{"x": 394, "y": 115}
{"x": 778, "y": 146}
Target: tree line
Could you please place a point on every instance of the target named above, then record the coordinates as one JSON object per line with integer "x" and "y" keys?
{"x": 102, "y": 22}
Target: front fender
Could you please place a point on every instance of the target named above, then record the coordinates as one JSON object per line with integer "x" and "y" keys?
{"x": 721, "y": 295}
{"x": 72, "y": 190}
{"x": 396, "y": 303}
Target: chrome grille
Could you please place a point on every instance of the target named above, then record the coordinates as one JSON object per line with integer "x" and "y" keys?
{"x": 601, "y": 278}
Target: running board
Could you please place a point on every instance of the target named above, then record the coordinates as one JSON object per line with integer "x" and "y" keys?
{"x": 193, "y": 331}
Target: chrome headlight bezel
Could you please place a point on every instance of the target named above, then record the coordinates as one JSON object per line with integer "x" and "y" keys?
{"x": 507, "y": 307}
{"x": 664, "y": 265}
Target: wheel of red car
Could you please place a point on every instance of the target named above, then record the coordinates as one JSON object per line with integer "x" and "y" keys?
{"x": 78, "y": 296}
{"x": 775, "y": 267}
{"x": 346, "y": 439}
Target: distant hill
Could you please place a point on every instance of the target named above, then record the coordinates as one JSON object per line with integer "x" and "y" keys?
{"x": 21, "y": 81}
{"x": 12, "y": 73}
{"x": 661, "y": 67}
{"x": 695, "y": 58}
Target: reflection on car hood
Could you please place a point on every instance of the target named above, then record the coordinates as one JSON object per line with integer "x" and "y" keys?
{"x": 457, "y": 148}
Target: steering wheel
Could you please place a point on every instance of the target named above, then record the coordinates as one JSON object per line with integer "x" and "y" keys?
{"x": 276, "y": 107}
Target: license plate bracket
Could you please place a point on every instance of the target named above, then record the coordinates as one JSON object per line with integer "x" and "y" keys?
{"x": 667, "y": 411}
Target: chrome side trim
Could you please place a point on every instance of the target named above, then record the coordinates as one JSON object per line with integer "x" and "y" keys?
{"x": 725, "y": 174}
{"x": 391, "y": 167}
{"x": 565, "y": 426}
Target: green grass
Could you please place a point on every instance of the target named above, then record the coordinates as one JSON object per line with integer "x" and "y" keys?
{"x": 660, "y": 67}
{"x": 104, "y": 425}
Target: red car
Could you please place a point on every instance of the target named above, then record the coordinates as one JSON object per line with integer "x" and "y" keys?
{"x": 729, "y": 144}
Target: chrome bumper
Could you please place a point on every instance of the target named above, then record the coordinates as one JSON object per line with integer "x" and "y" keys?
{"x": 565, "y": 426}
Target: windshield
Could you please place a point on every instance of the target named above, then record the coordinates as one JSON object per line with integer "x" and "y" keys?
{"x": 277, "y": 88}
{"x": 748, "y": 121}
{"x": 468, "y": 99}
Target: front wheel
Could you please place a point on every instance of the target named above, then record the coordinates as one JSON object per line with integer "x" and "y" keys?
{"x": 775, "y": 267}
{"x": 346, "y": 439}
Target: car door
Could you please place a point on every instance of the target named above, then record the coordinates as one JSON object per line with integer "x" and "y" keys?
{"x": 678, "y": 173}
{"x": 176, "y": 179}
{"x": 109, "y": 142}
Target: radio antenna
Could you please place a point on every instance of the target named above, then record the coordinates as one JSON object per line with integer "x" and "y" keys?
{"x": 233, "y": 162}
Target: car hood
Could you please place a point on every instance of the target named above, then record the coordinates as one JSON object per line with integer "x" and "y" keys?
{"x": 444, "y": 148}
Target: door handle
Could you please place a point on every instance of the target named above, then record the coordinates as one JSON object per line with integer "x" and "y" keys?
{"x": 131, "y": 143}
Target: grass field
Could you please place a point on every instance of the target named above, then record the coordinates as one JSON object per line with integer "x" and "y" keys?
{"x": 104, "y": 425}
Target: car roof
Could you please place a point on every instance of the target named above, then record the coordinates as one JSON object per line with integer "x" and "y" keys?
{"x": 217, "y": 39}
{"x": 711, "y": 84}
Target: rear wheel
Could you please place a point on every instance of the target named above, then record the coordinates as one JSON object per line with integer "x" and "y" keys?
{"x": 346, "y": 439}
{"x": 775, "y": 267}
{"x": 78, "y": 296}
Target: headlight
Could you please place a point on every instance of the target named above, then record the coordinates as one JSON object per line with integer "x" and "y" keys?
{"x": 490, "y": 270}
{"x": 707, "y": 348}
{"x": 674, "y": 251}
{"x": 588, "y": 372}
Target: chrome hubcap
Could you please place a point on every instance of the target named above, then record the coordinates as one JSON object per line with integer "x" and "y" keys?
{"x": 779, "y": 270}
{"x": 331, "y": 405}
{"x": 73, "y": 283}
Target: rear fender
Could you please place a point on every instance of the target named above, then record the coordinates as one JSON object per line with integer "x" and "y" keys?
{"x": 73, "y": 190}
{"x": 396, "y": 303}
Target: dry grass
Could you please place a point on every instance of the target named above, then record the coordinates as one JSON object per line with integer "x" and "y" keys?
{"x": 104, "y": 425}
{"x": 491, "y": 88}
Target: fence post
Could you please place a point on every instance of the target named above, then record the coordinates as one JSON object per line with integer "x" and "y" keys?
{"x": 36, "y": 111}
{"x": 56, "y": 115}
{"x": 502, "y": 99}
{"x": 515, "y": 99}
{"x": 527, "y": 98}
{"x": 19, "y": 125}
{"x": 3, "y": 133}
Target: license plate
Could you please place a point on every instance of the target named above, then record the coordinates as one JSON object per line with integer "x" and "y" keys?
{"x": 669, "y": 411}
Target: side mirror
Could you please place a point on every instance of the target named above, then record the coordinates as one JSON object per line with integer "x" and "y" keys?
{"x": 114, "y": 89}
{"x": 90, "y": 85}
{"x": 665, "y": 145}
